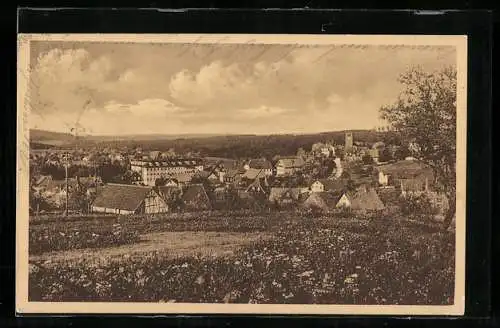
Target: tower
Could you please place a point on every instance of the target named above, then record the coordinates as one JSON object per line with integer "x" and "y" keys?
{"x": 348, "y": 141}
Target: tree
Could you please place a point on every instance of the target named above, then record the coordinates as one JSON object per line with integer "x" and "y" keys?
{"x": 367, "y": 159}
{"x": 385, "y": 155}
{"x": 401, "y": 153}
{"x": 425, "y": 115}
{"x": 160, "y": 182}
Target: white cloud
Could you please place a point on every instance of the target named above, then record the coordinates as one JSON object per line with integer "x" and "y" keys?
{"x": 153, "y": 89}
{"x": 262, "y": 112}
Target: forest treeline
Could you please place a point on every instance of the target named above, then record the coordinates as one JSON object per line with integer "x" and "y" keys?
{"x": 239, "y": 146}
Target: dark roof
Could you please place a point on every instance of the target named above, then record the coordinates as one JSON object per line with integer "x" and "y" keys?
{"x": 325, "y": 200}
{"x": 181, "y": 177}
{"x": 366, "y": 200}
{"x": 254, "y": 174}
{"x": 277, "y": 193}
{"x": 260, "y": 164}
{"x": 121, "y": 196}
{"x": 257, "y": 183}
{"x": 406, "y": 169}
{"x": 291, "y": 162}
{"x": 227, "y": 163}
{"x": 195, "y": 195}
{"x": 333, "y": 185}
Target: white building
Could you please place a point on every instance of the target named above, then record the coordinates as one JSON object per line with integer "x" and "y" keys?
{"x": 383, "y": 179}
{"x": 150, "y": 171}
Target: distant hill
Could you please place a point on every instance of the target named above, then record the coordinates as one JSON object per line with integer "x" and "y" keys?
{"x": 230, "y": 146}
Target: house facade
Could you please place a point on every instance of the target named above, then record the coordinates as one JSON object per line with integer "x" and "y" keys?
{"x": 151, "y": 170}
{"x": 289, "y": 166}
{"x": 259, "y": 164}
{"x": 128, "y": 199}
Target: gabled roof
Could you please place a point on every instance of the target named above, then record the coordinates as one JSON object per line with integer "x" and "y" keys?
{"x": 291, "y": 162}
{"x": 227, "y": 163}
{"x": 195, "y": 195}
{"x": 277, "y": 193}
{"x": 181, "y": 177}
{"x": 121, "y": 196}
{"x": 256, "y": 184}
{"x": 407, "y": 169}
{"x": 253, "y": 174}
{"x": 260, "y": 164}
{"x": 366, "y": 200}
{"x": 325, "y": 200}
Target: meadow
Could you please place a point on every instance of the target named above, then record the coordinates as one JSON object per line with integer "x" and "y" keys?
{"x": 302, "y": 259}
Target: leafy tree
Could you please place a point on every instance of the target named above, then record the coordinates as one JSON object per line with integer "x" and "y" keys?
{"x": 367, "y": 159}
{"x": 425, "y": 115}
{"x": 160, "y": 182}
{"x": 401, "y": 153}
{"x": 385, "y": 155}
{"x": 78, "y": 199}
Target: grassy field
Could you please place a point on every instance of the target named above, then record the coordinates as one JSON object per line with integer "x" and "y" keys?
{"x": 285, "y": 258}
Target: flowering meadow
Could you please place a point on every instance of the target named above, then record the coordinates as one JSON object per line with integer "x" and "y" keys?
{"x": 50, "y": 234}
{"x": 312, "y": 260}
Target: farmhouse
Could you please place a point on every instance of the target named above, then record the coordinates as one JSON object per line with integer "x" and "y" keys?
{"x": 406, "y": 169}
{"x": 252, "y": 174}
{"x": 128, "y": 199}
{"x": 195, "y": 198}
{"x": 260, "y": 164}
{"x": 325, "y": 201}
{"x": 259, "y": 185}
{"x": 364, "y": 199}
{"x": 286, "y": 196}
{"x": 361, "y": 200}
{"x": 232, "y": 176}
{"x": 289, "y": 165}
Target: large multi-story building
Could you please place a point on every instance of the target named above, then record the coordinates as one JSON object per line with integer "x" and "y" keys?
{"x": 151, "y": 170}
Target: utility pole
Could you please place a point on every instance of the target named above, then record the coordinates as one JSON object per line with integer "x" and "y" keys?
{"x": 67, "y": 188}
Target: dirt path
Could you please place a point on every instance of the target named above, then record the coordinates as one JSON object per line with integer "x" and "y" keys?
{"x": 173, "y": 243}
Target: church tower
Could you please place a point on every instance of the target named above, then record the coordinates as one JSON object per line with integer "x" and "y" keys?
{"x": 348, "y": 141}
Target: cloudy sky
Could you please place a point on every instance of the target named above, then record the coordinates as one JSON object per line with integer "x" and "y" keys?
{"x": 116, "y": 89}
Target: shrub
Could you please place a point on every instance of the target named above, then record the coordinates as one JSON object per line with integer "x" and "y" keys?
{"x": 64, "y": 237}
{"x": 418, "y": 206}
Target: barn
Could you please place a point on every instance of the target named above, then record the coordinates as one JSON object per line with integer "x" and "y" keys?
{"x": 128, "y": 199}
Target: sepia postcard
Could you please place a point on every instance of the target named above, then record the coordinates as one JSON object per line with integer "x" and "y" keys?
{"x": 244, "y": 174}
